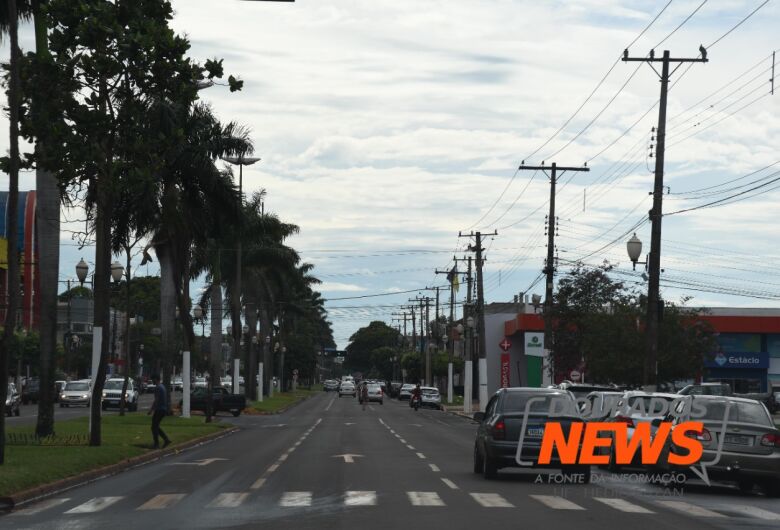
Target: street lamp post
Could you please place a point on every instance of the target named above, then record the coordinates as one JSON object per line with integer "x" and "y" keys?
{"x": 240, "y": 161}
{"x": 654, "y": 305}
{"x": 266, "y": 355}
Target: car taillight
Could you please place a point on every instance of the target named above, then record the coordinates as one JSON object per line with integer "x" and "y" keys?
{"x": 625, "y": 419}
{"x": 703, "y": 435}
{"x": 499, "y": 430}
{"x": 771, "y": 440}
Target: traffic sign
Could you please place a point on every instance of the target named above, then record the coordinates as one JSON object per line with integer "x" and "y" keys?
{"x": 505, "y": 344}
{"x": 575, "y": 375}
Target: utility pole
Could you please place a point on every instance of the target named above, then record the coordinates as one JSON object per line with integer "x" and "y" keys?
{"x": 424, "y": 302}
{"x": 451, "y": 276}
{"x": 468, "y": 342}
{"x": 650, "y": 371}
{"x": 549, "y": 266}
{"x": 480, "y": 310}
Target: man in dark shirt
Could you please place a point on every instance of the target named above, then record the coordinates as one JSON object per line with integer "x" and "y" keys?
{"x": 159, "y": 409}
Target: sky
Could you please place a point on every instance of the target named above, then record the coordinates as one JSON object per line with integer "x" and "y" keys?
{"x": 386, "y": 127}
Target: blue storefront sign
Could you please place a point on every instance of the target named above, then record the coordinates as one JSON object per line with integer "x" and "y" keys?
{"x": 737, "y": 360}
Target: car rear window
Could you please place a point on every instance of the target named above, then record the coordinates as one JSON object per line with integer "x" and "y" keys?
{"x": 516, "y": 401}
{"x": 430, "y": 391}
{"x": 77, "y": 386}
{"x": 656, "y": 401}
{"x": 738, "y": 411}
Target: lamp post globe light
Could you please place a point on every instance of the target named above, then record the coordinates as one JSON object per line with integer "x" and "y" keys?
{"x": 197, "y": 312}
{"x": 82, "y": 269}
{"x": 634, "y": 249}
{"x": 117, "y": 271}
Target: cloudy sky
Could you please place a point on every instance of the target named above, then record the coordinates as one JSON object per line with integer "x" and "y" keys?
{"x": 387, "y": 126}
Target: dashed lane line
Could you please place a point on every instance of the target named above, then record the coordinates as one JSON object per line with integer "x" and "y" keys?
{"x": 160, "y": 502}
{"x": 450, "y": 484}
{"x": 556, "y": 503}
{"x": 491, "y": 500}
{"x": 622, "y": 505}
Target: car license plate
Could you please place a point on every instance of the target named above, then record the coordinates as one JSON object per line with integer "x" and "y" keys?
{"x": 735, "y": 439}
{"x": 535, "y": 431}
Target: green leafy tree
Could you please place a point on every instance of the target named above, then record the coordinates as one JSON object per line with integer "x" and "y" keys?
{"x": 365, "y": 341}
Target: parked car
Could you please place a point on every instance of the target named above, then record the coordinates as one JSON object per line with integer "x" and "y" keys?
{"x": 580, "y": 390}
{"x": 751, "y": 442}
{"x": 149, "y": 387}
{"x": 13, "y": 401}
{"x": 498, "y": 434}
{"x": 405, "y": 393}
{"x": 600, "y": 404}
{"x": 31, "y": 391}
{"x": 331, "y": 385}
{"x": 58, "y": 386}
{"x": 112, "y": 394}
{"x": 395, "y": 389}
{"x": 222, "y": 401}
{"x": 178, "y": 384}
{"x": 347, "y": 388}
{"x": 76, "y": 393}
{"x": 430, "y": 397}
{"x": 200, "y": 382}
{"x": 375, "y": 393}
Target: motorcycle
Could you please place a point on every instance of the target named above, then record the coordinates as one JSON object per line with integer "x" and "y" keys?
{"x": 416, "y": 403}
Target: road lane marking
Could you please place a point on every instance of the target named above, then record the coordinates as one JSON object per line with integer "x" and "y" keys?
{"x": 41, "y": 506}
{"x": 754, "y": 512}
{"x": 271, "y": 469}
{"x": 434, "y": 468}
{"x": 450, "y": 483}
{"x": 360, "y": 498}
{"x": 95, "y": 505}
{"x": 402, "y": 440}
{"x": 297, "y": 443}
{"x": 348, "y": 457}
{"x": 392, "y": 431}
{"x": 382, "y": 422}
{"x": 424, "y": 498}
{"x": 295, "y": 498}
{"x": 421, "y": 455}
{"x": 283, "y": 457}
{"x": 330, "y": 404}
{"x": 258, "y": 484}
{"x": 556, "y": 503}
{"x": 410, "y": 447}
{"x": 228, "y": 500}
{"x": 491, "y": 500}
{"x": 690, "y": 509}
{"x": 159, "y": 502}
{"x": 622, "y": 505}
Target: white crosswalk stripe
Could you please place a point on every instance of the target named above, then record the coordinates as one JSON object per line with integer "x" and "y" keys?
{"x": 94, "y": 505}
{"x": 753, "y": 511}
{"x": 228, "y": 500}
{"x": 622, "y": 505}
{"x": 690, "y": 509}
{"x": 41, "y": 506}
{"x": 360, "y": 498}
{"x": 557, "y": 503}
{"x": 295, "y": 498}
{"x": 424, "y": 498}
{"x": 491, "y": 500}
{"x": 160, "y": 502}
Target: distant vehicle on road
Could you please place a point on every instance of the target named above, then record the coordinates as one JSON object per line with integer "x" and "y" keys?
{"x": 405, "y": 393}
{"x": 178, "y": 384}
{"x": 200, "y": 382}
{"x": 13, "y": 401}
{"x": 31, "y": 391}
{"x": 375, "y": 393}
{"x": 430, "y": 397}
{"x": 347, "y": 388}
{"x": 76, "y": 393}
{"x": 395, "y": 388}
{"x": 500, "y": 425}
{"x": 707, "y": 389}
{"x": 112, "y": 394}
{"x": 58, "y": 386}
{"x": 581, "y": 390}
{"x": 222, "y": 401}
{"x": 331, "y": 385}
{"x": 751, "y": 443}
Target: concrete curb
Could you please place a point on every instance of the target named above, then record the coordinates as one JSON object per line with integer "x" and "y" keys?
{"x": 53, "y": 488}
{"x": 458, "y": 413}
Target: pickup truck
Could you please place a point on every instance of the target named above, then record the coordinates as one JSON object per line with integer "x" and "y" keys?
{"x": 223, "y": 401}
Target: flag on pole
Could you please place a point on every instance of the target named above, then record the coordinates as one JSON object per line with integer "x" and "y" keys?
{"x": 453, "y": 278}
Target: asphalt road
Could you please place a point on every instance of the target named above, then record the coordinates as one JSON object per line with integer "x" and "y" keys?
{"x": 329, "y": 464}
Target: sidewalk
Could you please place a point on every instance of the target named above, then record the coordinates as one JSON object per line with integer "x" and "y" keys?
{"x": 457, "y": 410}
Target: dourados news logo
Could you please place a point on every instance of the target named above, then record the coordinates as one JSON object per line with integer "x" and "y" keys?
{"x": 582, "y": 445}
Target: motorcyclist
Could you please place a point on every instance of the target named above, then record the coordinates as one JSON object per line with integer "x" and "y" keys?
{"x": 416, "y": 395}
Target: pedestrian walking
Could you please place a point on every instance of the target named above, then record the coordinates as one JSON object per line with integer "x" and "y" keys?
{"x": 159, "y": 409}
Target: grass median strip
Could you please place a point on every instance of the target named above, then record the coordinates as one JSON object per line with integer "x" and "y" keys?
{"x": 31, "y": 465}
{"x": 279, "y": 401}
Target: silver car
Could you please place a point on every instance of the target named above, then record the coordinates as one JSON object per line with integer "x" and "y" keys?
{"x": 347, "y": 388}
{"x": 751, "y": 442}
{"x": 430, "y": 397}
{"x": 375, "y": 393}
{"x": 76, "y": 393}
{"x": 405, "y": 393}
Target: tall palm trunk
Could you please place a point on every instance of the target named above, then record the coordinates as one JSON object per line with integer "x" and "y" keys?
{"x": 250, "y": 359}
{"x": 47, "y": 219}
{"x": 216, "y": 341}
{"x": 167, "y": 309}
{"x": 12, "y": 224}
{"x": 268, "y": 360}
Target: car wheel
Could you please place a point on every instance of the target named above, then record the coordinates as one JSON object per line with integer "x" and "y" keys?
{"x": 745, "y": 485}
{"x": 489, "y": 468}
{"x": 477, "y": 461}
{"x": 236, "y": 413}
{"x": 772, "y": 488}
{"x": 17, "y": 412}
